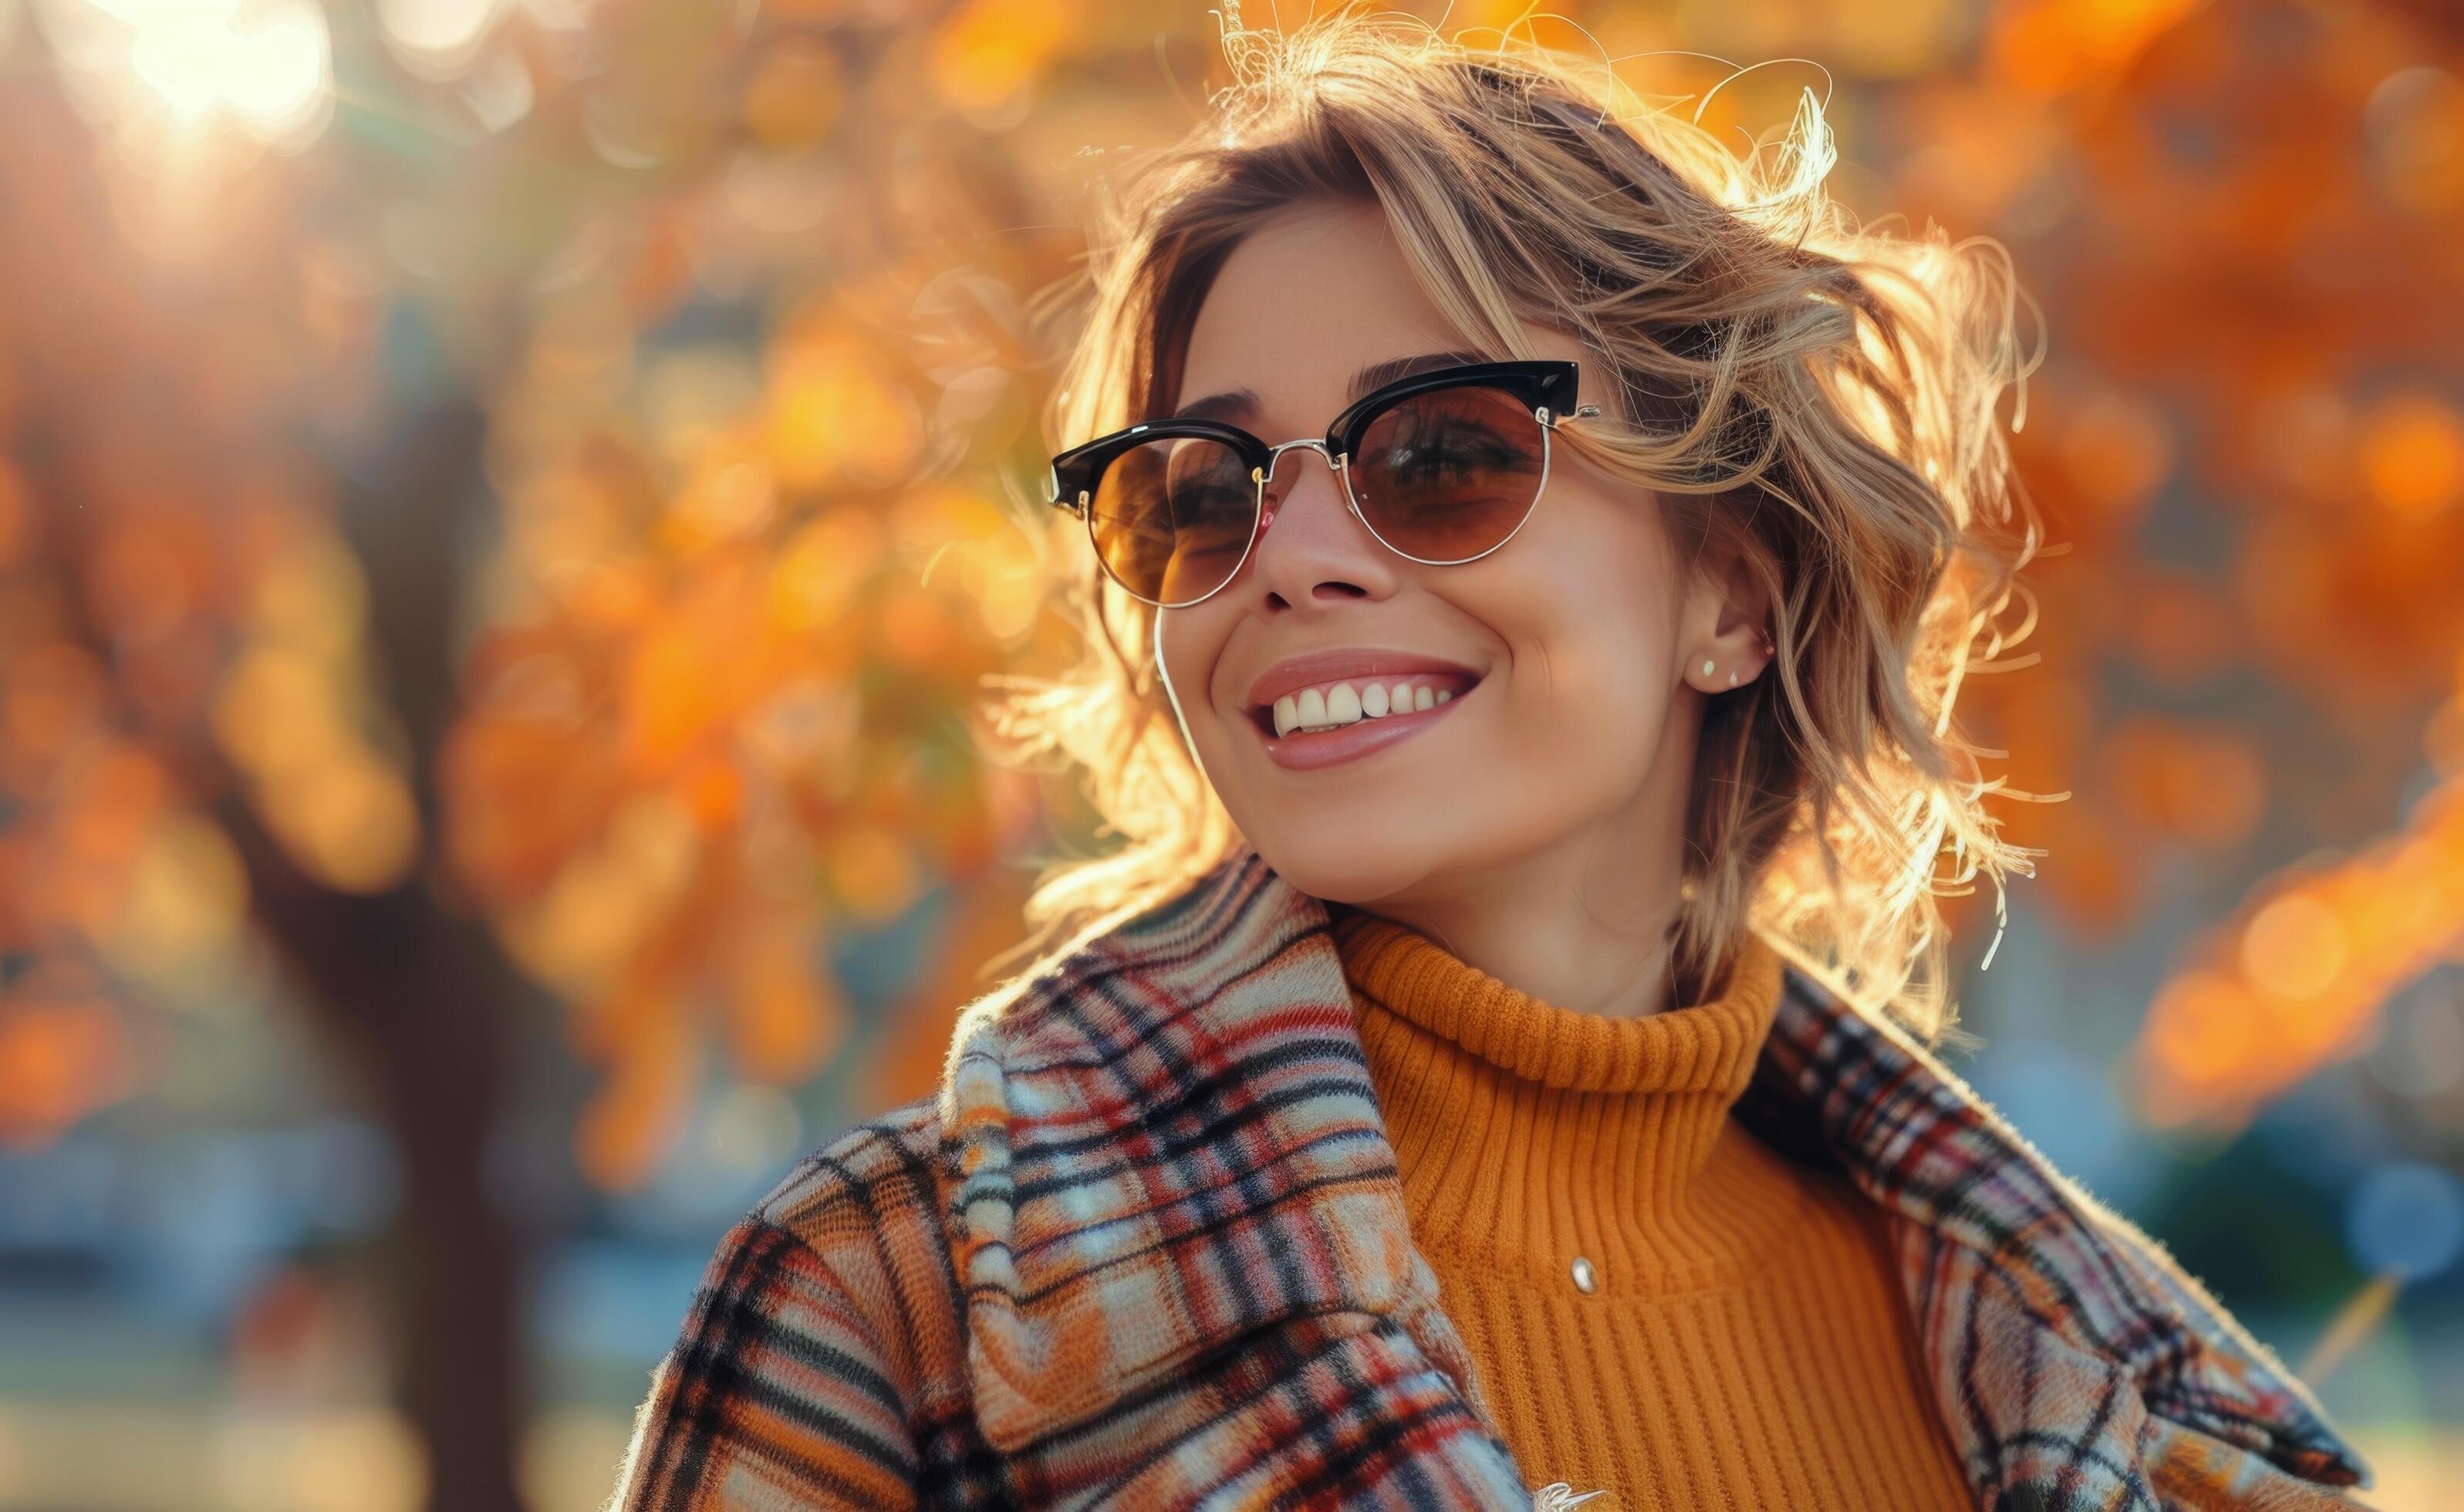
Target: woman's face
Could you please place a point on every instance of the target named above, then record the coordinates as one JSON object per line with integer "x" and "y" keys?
{"x": 1569, "y": 721}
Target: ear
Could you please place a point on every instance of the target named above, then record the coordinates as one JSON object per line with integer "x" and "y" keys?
{"x": 1727, "y": 645}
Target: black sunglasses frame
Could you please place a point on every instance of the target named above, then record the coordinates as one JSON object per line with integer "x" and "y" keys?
{"x": 1544, "y": 385}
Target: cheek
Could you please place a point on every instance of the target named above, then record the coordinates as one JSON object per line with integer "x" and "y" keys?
{"x": 1583, "y": 691}
{"x": 1591, "y": 642}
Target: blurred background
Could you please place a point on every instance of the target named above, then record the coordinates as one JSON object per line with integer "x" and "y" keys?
{"x": 506, "y": 507}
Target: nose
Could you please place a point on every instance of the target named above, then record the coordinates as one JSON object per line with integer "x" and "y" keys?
{"x": 1311, "y": 549}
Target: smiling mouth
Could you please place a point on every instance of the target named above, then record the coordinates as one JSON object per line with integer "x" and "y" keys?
{"x": 1324, "y": 707}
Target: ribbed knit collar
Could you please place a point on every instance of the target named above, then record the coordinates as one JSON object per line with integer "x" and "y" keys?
{"x": 1528, "y": 1134}
{"x": 1709, "y": 1047}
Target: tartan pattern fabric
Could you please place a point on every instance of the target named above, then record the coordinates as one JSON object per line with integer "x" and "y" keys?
{"x": 1145, "y": 1247}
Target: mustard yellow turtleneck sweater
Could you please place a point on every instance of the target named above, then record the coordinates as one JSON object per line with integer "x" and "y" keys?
{"x": 1657, "y": 1303}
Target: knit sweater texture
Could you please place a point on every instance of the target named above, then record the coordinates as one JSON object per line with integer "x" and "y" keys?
{"x": 1146, "y": 1247}
{"x": 1659, "y": 1304}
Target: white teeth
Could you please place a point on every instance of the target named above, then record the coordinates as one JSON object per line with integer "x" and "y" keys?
{"x": 1315, "y": 708}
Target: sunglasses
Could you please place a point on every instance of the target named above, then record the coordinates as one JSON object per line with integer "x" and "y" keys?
{"x": 1442, "y": 467}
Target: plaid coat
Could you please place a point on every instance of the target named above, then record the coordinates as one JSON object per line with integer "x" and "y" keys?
{"x": 1146, "y": 1248}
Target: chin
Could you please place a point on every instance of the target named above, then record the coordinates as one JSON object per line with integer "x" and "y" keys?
{"x": 1342, "y": 871}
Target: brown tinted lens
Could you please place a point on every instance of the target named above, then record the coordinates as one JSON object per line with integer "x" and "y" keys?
{"x": 1173, "y": 517}
{"x": 1449, "y": 475}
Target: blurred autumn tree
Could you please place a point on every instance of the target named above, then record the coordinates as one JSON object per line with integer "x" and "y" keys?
{"x": 579, "y": 646}
{"x": 2244, "y": 221}
{"x": 502, "y": 502}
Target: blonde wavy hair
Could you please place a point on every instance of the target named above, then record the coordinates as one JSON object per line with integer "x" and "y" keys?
{"x": 1821, "y": 397}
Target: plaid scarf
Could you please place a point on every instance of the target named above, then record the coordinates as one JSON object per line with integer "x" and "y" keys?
{"x": 1146, "y": 1248}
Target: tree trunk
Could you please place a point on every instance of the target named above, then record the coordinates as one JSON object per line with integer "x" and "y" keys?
{"x": 419, "y": 1001}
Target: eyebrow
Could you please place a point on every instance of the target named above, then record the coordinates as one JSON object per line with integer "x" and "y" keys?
{"x": 1239, "y": 404}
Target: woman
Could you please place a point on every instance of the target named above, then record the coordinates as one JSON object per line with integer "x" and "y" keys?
{"x": 1492, "y": 1075}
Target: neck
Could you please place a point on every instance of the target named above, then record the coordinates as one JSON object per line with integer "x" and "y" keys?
{"x": 1583, "y": 922}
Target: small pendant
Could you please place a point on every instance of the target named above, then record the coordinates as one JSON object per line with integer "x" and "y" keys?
{"x": 1557, "y": 1495}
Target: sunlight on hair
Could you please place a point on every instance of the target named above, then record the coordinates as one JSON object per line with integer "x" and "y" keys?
{"x": 1825, "y": 398}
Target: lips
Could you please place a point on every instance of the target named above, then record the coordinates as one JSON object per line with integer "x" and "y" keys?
{"x": 1342, "y": 744}
{"x": 1347, "y": 663}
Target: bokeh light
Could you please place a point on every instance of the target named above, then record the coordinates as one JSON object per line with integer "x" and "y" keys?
{"x": 263, "y": 66}
{"x": 507, "y": 509}
{"x": 2408, "y": 1220}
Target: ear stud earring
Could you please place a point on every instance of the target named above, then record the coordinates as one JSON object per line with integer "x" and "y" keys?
{"x": 1711, "y": 667}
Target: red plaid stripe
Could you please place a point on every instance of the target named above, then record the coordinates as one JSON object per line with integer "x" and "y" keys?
{"x": 1146, "y": 1248}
